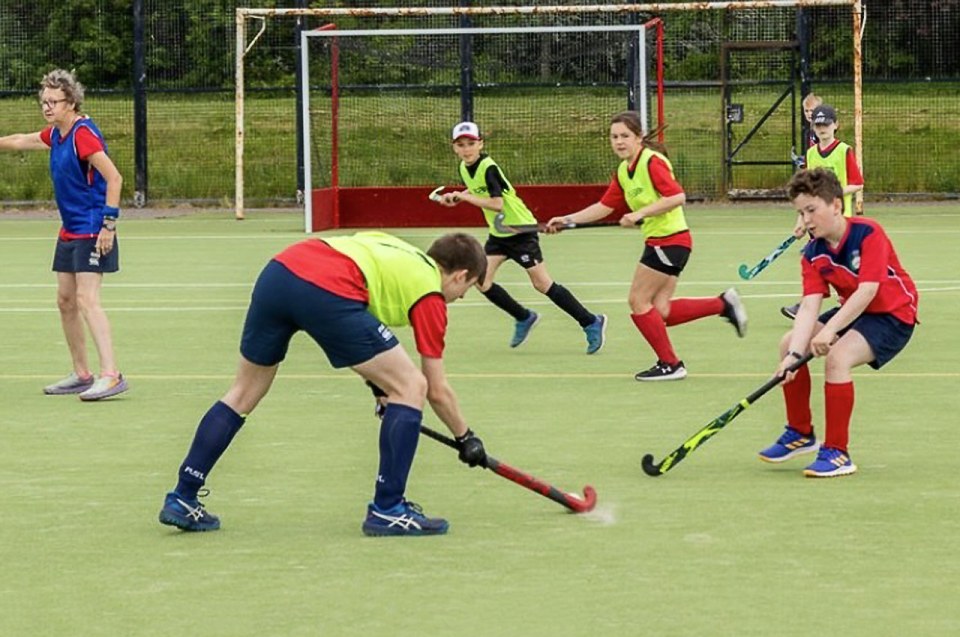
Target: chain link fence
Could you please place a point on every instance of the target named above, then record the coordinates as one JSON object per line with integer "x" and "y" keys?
{"x": 911, "y": 117}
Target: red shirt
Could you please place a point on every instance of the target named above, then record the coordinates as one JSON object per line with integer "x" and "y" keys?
{"x": 665, "y": 185}
{"x": 316, "y": 262}
{"x": 864, "y": 254}
{"x": 87, "y": 143}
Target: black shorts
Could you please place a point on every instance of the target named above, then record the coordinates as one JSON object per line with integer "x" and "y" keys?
{"x": 667, "y": 259}
{"x": 885, "y": 334}
{"x": 523, "y": 249}
{"x": 80, "y": 255}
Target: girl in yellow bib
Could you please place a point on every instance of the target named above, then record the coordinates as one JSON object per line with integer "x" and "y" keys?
{"x": 645, "y": 190}
{"x": 489, "y": 190}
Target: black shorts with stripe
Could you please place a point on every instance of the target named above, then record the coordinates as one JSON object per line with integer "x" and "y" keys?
{"x": 667, "y": 259}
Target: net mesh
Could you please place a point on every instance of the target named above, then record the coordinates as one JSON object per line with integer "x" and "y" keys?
{"x": 911, "y": 118}
{"x": 544, "y": 119}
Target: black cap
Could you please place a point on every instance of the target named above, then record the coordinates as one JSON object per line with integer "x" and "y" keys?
{"x": 824, "y": 114}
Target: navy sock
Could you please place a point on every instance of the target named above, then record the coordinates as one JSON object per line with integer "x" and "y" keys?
{"x": 214, "y": 433}
{"x": 399, "y": 434}
{"x": 566, "y": 301}
{"x": 502, "y": 299}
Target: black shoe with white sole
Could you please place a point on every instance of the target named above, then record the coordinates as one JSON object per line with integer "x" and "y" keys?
{"x": 663, "y": 371}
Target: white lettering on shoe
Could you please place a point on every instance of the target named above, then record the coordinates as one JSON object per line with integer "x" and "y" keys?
{"x": 194, "y": 513}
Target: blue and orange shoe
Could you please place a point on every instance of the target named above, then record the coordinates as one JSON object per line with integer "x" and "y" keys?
{"x": 405, "y": 518}
{"x": 831, "y": 463}
{"x": 789, "y": 445}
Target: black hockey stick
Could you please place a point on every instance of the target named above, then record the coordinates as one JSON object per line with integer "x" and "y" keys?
{"x": 500, "y": 226}
{"x": 749, "y": 273}
{"x": 714, "y": 426}
{"x": 572, "y": 501}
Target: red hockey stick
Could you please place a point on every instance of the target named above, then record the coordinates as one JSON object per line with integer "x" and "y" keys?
{"x": 572, "y": 501}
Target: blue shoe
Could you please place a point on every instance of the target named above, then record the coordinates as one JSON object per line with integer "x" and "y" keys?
{"x": 830, "y": 463}
{"x": 596, "y": 334}
{"x": 522, "y": 330}
{"x": 188, "y": 515}
{"x": 406, "y": 518}
{"x": 792, "y": 443}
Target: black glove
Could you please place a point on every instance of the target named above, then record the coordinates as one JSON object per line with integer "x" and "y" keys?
{"x": 471, "y": 449}
{"x": 378, "y": 394}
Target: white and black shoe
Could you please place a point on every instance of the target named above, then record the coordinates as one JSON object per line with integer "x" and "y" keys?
{"x": 734, "y": 311}
{"x": 790, "y": 311}
{"x": 663, "y": 371}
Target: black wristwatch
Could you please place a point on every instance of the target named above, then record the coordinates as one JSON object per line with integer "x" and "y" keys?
{"x": 796, "y": 355}
{"x": 110, "y": 223}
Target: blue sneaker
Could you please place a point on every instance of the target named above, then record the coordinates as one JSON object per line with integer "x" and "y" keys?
{"x": 596, "y": 334}
{"x": 791, "y": 443}
{"x": 188, "y": 515}
{"x": 522, "y": 330}
{"x": 406, "y": 518}
{"x": 830, "y": 463}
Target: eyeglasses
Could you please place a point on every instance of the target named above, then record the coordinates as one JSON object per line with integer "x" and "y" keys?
{"x": 51, "y": 103}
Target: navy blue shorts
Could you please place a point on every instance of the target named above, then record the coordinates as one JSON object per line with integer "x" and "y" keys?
{"x": 670, "y": 260}
{"x": 523, "y": 248}
{"x": 283, "y": 304}
{"x": 80, "y": 255}
{"x": 885, "y": 334}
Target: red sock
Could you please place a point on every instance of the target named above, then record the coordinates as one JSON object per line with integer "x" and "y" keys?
{"x": 653, "y": 328}
{"x": 838, "y": 403}
{"x": 796, "y": 396}
{"x": 684, "y": 310}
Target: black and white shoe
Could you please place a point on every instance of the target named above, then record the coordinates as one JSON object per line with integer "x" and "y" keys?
{"x": 790, "y": 311}
{"x": 663, "y": 371}
{"x": 734, "y": 311}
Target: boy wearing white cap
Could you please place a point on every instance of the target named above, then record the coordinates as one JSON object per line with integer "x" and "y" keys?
{"x": 488, "y": 189}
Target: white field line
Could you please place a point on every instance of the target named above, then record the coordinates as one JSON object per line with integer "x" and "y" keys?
{"x": 487, "y": 376}
{"x": 461, "y": 304}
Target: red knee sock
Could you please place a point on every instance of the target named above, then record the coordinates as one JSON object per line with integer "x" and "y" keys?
{"x": 796, "y": 396}
{"x": 838, "y": 403}
{"x": 653, "y": 328}
{"x": 684, "y": 310}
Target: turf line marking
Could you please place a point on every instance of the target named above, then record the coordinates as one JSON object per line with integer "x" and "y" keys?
{"x": 492, "y": 376}
{"x": 461, "y": 304}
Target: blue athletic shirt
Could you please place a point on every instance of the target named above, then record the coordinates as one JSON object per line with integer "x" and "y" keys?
{"x": 80, "y": 190}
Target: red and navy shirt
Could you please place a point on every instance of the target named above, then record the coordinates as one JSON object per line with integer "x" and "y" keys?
{"x": 80, "y": 191}
{"x": 666, "y": 186}
{"x": 864, "y": 254}
{"x": 316, "y": 262}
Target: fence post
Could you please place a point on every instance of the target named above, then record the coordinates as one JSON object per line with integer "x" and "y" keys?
{"x": 466, "y": 67}
{"x": 139, "y": 109}
{"x": 297, "y": 30}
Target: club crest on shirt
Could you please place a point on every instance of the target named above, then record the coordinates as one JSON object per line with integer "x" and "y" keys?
{"x": 855, "y": 260}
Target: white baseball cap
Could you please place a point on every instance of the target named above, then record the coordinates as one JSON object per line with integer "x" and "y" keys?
{"x": 466, "y": 129}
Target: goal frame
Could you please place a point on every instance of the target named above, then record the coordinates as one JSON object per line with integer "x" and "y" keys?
{"x": 639, "y": 88}
{"x": 243, "y": 14}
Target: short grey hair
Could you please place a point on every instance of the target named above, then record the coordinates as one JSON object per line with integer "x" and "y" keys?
{"x": 72, "y": 89}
